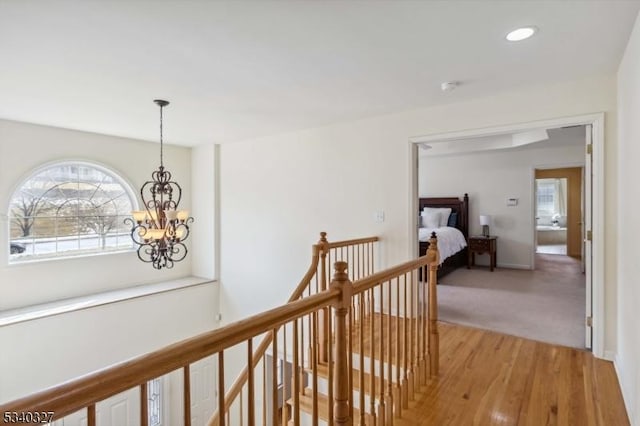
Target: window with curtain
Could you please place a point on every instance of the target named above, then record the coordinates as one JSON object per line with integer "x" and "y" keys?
{"x": 551, "y": 198}
{"x": 69, "y": 209}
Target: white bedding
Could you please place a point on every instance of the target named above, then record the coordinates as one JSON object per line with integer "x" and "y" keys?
{"x": 450, "y": 240}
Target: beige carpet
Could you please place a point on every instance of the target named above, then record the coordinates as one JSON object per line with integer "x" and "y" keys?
{"x": 547, "y": 304}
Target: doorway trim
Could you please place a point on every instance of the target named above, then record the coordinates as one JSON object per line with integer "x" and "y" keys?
{"x": 534, "y": 201}
{"x": 597, "y": 200}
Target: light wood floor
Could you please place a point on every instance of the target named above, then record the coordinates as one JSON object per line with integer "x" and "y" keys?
{"x": 487, "y": 378}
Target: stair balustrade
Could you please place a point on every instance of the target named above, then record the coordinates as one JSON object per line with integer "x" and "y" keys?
{"x": 380, "y": 337}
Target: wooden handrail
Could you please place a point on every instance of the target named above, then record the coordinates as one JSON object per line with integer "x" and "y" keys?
{"x": 319, "y": 250}
{"x": 261, "y": 350}
{"x": 371, "y": 281}
{"x": 342, "y": 295}
{"x": 85, "y": 391}
{"x": 346, "y": 243}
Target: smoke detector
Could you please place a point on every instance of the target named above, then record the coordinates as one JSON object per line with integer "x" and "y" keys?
{"x": 448, "y": 86}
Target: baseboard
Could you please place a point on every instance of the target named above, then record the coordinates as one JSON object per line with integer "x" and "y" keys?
{"x": 610, "y": 356}
{"x": 625, "y": 398}
{"x": 513, "y": 266}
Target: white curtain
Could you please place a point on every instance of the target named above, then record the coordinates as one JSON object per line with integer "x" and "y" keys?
{"x": 560, "y": 197}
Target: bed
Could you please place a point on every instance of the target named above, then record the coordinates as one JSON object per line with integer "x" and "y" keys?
{"x": 451, "y": 242}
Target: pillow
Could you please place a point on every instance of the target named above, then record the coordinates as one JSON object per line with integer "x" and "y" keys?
{"x": 430, "y": 219}
{"x": 444, "y": 214}
{"x": 453, "y": 219}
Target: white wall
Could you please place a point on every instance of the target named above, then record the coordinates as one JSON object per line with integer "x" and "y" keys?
{"x": 278, "y": 192}
{"x": 490, "y": 177}
{"x": 44, "y": 352}
{"x": 24, "y": 147}
{"x": 204, "y": 252}
{"x": 628, "y": 226}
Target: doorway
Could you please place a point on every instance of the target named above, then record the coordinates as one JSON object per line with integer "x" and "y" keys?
{"x": 558, "y": 211}
{"x": 592, "y": 230}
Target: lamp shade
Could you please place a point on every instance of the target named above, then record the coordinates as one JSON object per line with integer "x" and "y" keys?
{"x": 485, "y": 220}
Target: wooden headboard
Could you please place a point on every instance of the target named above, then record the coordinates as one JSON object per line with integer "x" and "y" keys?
{"x": 456, "y": 205}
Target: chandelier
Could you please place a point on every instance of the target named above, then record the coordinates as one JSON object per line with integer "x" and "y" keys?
{"x": 160, "y": 229}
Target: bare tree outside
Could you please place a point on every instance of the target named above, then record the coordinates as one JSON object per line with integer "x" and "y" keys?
{"x": 22, "y": 212}
{"x": 69, "y": 207}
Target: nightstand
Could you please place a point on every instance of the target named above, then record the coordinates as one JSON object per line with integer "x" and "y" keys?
{"x": 481, "y": 245}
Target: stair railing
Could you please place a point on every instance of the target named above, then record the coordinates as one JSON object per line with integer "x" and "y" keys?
{"x": 361, "y": 253}
{"x": 356, "y": 310}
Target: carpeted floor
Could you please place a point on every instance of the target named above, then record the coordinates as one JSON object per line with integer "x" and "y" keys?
{"x": 547, "y": 304}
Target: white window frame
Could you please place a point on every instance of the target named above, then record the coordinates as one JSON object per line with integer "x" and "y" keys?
{"x": 116, "y": 175}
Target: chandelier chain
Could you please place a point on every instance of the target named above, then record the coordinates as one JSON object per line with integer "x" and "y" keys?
{"x": 161, "y": 144}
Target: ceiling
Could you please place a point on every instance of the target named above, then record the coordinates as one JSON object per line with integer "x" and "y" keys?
{"x": 243, "y": 69}
{"x": 522, "y": 140}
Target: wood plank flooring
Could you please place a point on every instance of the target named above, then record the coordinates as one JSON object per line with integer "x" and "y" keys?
{"x": 488, "y": 378}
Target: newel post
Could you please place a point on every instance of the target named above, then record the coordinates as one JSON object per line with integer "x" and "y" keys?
{"x": 341, "y": 412}
{"x": 434, "y": 338}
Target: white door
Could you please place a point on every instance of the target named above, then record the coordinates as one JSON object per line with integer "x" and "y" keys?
{"x": 119, "y": 410}
{"x": 203, "y": 390}
{"x": 587, "y": 228}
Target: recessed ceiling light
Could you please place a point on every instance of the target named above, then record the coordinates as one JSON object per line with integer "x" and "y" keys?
{"x": 521, "y": 33}
{"x": 448, "y": 86}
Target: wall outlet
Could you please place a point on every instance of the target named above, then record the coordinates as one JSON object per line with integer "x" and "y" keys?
{"x": 512, "y": 202}
{"x": 379, "y": 216}
{"x": 219, "y": 317}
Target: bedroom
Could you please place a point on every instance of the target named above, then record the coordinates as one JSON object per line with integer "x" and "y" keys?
{"x": 499, "y": 179}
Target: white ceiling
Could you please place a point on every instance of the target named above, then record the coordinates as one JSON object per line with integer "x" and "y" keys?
{"x": 527, "y": 139}
{"x": 241, "y": 69}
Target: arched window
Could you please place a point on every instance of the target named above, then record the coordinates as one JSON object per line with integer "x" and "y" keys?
{"x": 69, "y": 209}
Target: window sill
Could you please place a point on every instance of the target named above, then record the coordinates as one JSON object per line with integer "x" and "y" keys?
{"x": 30, "y": 313}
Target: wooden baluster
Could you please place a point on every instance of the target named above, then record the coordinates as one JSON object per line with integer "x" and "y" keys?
{"x": 351, "y": 327}
{"x": 331, "y": 379}
{"x": 405, "y": 347}
{"x": 410, "y": 350}
{"x": 389, "y": 401}
{"x": 251, "y": 399}
{"x": 274, "y": 377}
{"x": 186, "y": 393}
{"x": 285, "y": 382}
{"x": 424, "y": 332}
{"x": 295, "y": 371}
{"x": 382, "y": 417}
{"x": 416, "y": 330}
{"x": 324, "y": 279}
{"x": 398, "y": 360}
{"x": 361, "y": 315}
{"x": 434, "y": 338}
{"x": 420, "y": 328}
{"x": 91, "y": 415}
{"x": 325, "y": 333}
{"x": 314, "y": 368}
{"x": 220, "y": 388}
{"x": 341, "y": 389}
{"x": 240, "y": 409}
{"x": 302, "y": 358}
{"x": 372, "y": 361}
{"x": 144, "y": 405}
{"x": 264, "y": 390}
{"x": 373, "y": 260}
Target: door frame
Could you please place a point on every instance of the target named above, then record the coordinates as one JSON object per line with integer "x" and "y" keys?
{"x": 597, "y": 199}
{"x": 534, "y": 201}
